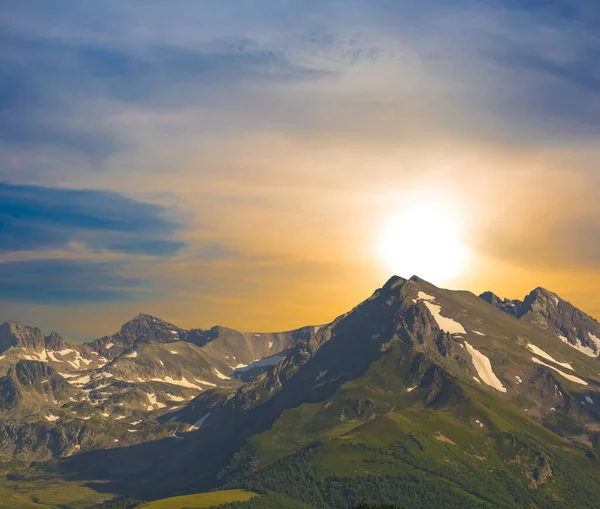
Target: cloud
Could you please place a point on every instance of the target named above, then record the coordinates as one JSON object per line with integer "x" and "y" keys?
{"x": 69, "y": 282}
{"x": 44, "y": 218}
{"x": 281, "y": 128}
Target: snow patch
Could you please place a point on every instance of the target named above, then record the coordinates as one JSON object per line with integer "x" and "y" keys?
{"x": 477, "y": 379}
{"x": 132, "y": 355}
{"x": 538, "y": 351}
{"x": 80, "y": 380}
{"x": 204, "y": 382}
{"x": 51, "y": 356}
{"x": 270, "y": 344}
{"x": 478, "y": 333}
{"x": 321, "y": 375}
{"x": 562, "y": 373}
{"x": 410, "y": 389}
{"x": 109, "y": 346}
{"x": 183, "y": 382}
{"x": 173, "y": 352}
{"x": 484, "y": 368}
{"x": 589, "y": 400}
{"x": 220, "y": 375}
{"x": 445, "y": 324}
{"x": 171, "y": 397}
{"x": 66, "y": 351}
{"x": 518, "y": 379}
{"x": 272, "y": 360}
{"x": 198, "y": 424}
{"x": 594, "y": 339}
{"x": 52, "y": 418}
{"x": 154, "y": 402}
{"x": 584, "y": 349}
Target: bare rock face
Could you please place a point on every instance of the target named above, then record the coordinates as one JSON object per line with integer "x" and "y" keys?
{"x": 31, "y": 384}
{"x": 13, "y": 334}
{"x": 541, "y": 472}
{"x": 512, "y": 307}
{"x": 54, "y": 342}
{"x": 547, "y": 310}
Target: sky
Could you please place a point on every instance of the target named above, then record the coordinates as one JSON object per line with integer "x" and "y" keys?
{"x": 267, "y": 164}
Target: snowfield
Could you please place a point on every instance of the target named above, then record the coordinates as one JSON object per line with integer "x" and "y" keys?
{"x": 446, "y": 324}
{"x": 562, "y": 373}
{"x": 198, "y": 424}
{"x": 183, "y": 382}
{"x": 584, "y": 349}
{"x": 425, "y": 296}
{"x": 538, "y": 351}
{"x": 272, "y": 360}
{"x": 484, "y": 368}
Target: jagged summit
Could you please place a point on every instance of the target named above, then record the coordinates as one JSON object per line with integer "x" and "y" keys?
{"x": 15, "y": 334}
{"x": 548, "y": 310}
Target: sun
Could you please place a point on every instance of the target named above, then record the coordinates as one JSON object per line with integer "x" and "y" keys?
{"x": 425, "y": 239}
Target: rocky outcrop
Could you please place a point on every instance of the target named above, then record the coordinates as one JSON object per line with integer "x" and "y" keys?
{"x": 547, "y": 310}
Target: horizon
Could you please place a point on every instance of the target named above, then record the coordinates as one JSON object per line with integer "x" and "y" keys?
{"x": 201, "y": 161}
{"x": 306, "y": 324}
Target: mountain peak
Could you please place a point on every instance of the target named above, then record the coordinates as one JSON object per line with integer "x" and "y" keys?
{"x": 393, "y": 282}
{"x": 14, "y": 334}
{"x": 416, "y": 279}
{"x": 491, "y": 298}
{"x": 547, "y": 310}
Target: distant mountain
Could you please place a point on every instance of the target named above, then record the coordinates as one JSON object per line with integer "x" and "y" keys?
{"x": 418, "y": 396}
{"x": 548, "y": 311}
{"x": 144, "y": 370}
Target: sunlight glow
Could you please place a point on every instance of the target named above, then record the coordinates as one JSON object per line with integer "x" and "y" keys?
{"x": 425, "y": 239}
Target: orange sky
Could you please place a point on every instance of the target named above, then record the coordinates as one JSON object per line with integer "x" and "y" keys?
{"x": 280, "y": 151}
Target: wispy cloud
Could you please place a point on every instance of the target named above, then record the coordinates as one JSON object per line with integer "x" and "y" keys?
{"x": 42, "y": 218}
{"x": 284, "y": 129}
{"x": 69, "y": 282}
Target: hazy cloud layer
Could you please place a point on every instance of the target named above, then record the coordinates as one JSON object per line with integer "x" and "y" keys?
{"x": 69, "y": 282}
{"x": 42, "y": 218}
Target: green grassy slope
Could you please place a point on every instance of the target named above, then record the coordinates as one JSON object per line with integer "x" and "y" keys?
{"x": 445, "y": 443}
{"x": 199, "y": 500}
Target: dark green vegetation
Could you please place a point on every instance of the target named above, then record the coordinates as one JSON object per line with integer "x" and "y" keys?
{"x": 385, "y": 405}
{"x": 419, "y": 455}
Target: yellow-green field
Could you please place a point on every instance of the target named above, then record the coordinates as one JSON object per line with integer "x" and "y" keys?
{"x": 201, "y": 500}
{"x": 46, "y": 494}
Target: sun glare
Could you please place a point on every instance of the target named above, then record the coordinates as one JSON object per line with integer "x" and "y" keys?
{"x": 424, "y": 239}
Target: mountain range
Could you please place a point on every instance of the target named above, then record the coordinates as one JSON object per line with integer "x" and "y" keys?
{"x": 419, "y": 396}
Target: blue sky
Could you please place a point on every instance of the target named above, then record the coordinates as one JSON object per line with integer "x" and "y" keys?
{"x": 203, "y": 160}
